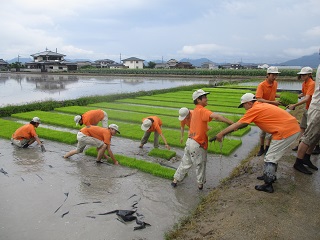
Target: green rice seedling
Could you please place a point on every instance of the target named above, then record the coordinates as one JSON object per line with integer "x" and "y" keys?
{"x": 9, "y": 127}
{"x": 144, "y": 166}
{"x": 227, "y": 147}
{"x": 287, "y": 98}
{"x": 218, "y": 102}
{"x": 232, "y": 109}
{"x": 162, "y": 153}
{"x": 49, "y": 118}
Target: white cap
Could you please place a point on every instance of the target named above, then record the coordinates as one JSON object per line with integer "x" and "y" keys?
{"x": 115, "y": 127}
{"x": 248, "y": 97}
{"x": 77, "y": 119}
{"x": 305, "y": 70}
{"x": 36, "y": 120}
{"x": 272, "y": 70}
{"x": 199, "y": 93}
{"x": 146, "y": 124}
{"x": 183, "y": 113}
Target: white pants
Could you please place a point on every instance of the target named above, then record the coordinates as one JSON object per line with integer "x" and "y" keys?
{"x": 84, "y": 140}
{"x": 104, "y": 121}
{"x": 193, "y": 154}
{"x": 278, "y": 147}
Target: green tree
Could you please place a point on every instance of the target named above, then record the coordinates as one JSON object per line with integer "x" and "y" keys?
{"x": 151, "y": 64}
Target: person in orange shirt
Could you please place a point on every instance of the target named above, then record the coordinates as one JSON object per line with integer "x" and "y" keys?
{"x": 195, "y": 151}
{"x": 282, "y": 126}
{"x": 185, "y": 118}
{"x": 152, "y": 124}
{"x": 308, "y": 86}
{"x": 26, "y": 135}
{"x": 267, "y": 92}
{"x": 92, "y": 117}
{"x": 98, "y": 137}
{"x": 311, "y": 135}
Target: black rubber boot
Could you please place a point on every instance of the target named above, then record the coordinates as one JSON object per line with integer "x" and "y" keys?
{"x": 299, "y": 166}
{"x": 306, "y": 161}
{"x": 260, "y": 177}
{"x": 295, "y": 148}
{"x": 25, "y": 146}
{"x": 267, "y": 187}
{"x": 261, "y": 151}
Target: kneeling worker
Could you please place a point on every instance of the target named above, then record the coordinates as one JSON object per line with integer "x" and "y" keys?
{"x": 98, "y": 137}
{"x": 26, "y": 135}
{"x": 283, "y": 127}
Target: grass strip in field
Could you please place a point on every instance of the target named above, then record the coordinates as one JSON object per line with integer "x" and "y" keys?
{"x": 219, "y": 102}
{"x": 162, "y": 153}
{"x": 120, "y": 106}
{"x": 144, "y": 166}
{"x": 9, "y": 127}
{"x": 52, "y": 118}
{"x": 223, "y": 109}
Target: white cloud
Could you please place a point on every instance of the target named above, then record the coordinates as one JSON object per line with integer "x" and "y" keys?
{"x": 273, "y": 37}
{"x": 297, "y": 52}
{"x": 313, "y": 32}
{"x": 201, "y": 49}
{"x": 231, "y": 29}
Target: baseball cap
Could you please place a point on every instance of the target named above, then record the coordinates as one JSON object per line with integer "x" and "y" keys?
{"x": 146, "y": 124}
{"x": 115, "y": 127}
{"x": 183, "y": 113}
{"x": 305, "y": 70}
{"x": 272, "y": 70}
{"x": 36, "y": 120}
{"x": 199, "y": 93}
{"x": 77, "y": 119}
{"x": 248, "y": 97}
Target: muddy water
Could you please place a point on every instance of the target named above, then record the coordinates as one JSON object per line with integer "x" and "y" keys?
{"x": 37, "y": 184}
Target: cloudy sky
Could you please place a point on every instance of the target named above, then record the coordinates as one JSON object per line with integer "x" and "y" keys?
{"x": 231, "y": 31}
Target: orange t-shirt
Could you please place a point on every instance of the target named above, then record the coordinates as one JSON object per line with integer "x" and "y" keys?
{"x": 199, "y": 125}
{"x": 100, "y": 133}
{"x": 308, "y": 89}
{"x": 25, "y": 132}
{"x": 272, "y": 119}
{"x": 92, "y": 117}
{"x": 156, "y": 125}
{"x": 187, "y": 121}
{"x": 267, "y": 91}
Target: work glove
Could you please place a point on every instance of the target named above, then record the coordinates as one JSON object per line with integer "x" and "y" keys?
{"x": 42, "y": 148}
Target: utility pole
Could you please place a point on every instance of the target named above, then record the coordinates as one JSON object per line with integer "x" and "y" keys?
{"x": 18, "y": 65}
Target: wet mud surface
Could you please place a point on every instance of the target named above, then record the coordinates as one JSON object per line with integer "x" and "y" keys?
{"x": 44, "y": 196}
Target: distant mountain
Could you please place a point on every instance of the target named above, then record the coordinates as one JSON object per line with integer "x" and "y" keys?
{"x": 310, "y": 60}
{"x": 79, "y": 60}
{"x": 21, "y": 60}
{"x": 196, "y": 62}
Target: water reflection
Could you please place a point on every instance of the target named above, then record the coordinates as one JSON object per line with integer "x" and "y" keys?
{"x": 25, "y": 88}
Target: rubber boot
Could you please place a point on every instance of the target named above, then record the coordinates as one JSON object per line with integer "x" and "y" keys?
{"x": 269, "y": 177}
{"x": 267, "y": 187}
{"x": 299, "y": 166}
{"x": 25, "y": 146}
{"x": 306, "y": 161}
{"x": 261, "y": 151}
{"x": 316, "y": 150}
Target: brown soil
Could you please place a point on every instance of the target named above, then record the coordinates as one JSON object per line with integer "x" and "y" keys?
{"x": 235, "y": 210}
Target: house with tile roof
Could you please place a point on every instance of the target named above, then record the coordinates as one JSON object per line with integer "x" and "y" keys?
{"x": 133, "y": 62}
{"x": 49, "y": 61}
{"x": 3, "y": 65}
